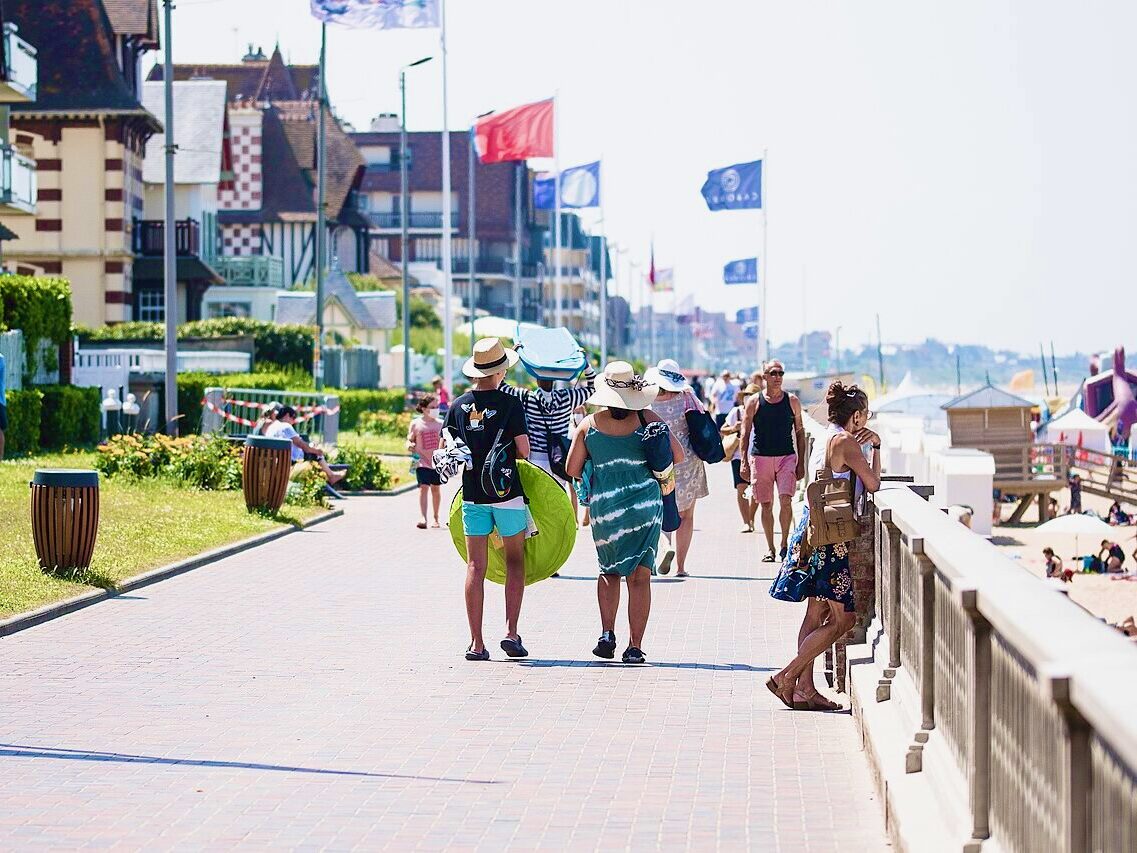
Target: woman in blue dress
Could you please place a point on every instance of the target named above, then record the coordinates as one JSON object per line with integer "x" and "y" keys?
{"x": 831, "y": 609}
{"x": 626, "y": 503}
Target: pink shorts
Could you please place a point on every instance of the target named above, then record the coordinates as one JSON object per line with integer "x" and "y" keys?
{"x": 766, "y": 470}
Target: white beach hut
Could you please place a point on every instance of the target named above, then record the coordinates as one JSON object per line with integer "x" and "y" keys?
{"x": 1076, "y": 429}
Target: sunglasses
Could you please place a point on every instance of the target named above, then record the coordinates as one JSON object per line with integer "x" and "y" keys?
{"x": 775, "y": 373}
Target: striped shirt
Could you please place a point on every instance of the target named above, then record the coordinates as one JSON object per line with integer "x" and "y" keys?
{"x": 550, "y": 411}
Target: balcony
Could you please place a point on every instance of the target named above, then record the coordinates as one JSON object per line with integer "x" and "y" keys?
{"x": 431, "y": 221}
{"x": 21, "y": 71}
{"x": 17, "y": 181}
{"x": 252, "y": 271}
{"x": 150, "y": 238}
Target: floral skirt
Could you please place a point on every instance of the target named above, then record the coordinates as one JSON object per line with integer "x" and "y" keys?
{"x": 829, "y": 574}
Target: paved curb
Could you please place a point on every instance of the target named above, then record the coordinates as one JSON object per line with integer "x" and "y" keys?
{"x": 23, "y": 621}
{"x": 401, "y": 490}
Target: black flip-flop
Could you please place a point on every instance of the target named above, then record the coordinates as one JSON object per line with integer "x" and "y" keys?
{"x": 484, "y": 654}
{"x": 770, "y": 558}
{"x": 782, "y": 553}
{"x": 513, "y": 648}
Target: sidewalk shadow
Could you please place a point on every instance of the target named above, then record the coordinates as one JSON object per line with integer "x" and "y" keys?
{"x": 714, "y": 667}
{"x": 12, "y": 750}
{"x": 729, "y": 578}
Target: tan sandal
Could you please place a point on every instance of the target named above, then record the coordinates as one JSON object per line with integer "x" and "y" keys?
{"x": 775, "y": 688}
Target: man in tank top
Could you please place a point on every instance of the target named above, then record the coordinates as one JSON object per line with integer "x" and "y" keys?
{"x": 773, "y": 452}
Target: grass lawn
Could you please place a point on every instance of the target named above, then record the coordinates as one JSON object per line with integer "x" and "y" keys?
{"x": 143, "y": 524}
{"x": 388, "y": 445}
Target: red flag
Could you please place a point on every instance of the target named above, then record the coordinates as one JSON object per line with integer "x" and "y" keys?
{"x": 525, "y": 131}
{"x": 651, "y": 268}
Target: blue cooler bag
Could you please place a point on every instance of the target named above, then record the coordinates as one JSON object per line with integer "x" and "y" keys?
{"x": 550, "y": 354}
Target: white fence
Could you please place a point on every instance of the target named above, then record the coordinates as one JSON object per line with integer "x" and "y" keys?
{"x": 12, "y": 348}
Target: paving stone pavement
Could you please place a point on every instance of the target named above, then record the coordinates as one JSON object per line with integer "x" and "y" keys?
{"x": 311, "y": 694}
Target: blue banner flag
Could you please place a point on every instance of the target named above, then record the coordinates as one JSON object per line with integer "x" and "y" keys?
{"x": 735, "y": 187}
{"x": 746, "y": 315}
{"x": 743, "y": 271}
{"x": 379, "y": 14}
{"x": 580, "y": 187}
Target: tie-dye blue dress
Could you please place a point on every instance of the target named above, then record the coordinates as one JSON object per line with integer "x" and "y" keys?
{"x": 626, "y": 506}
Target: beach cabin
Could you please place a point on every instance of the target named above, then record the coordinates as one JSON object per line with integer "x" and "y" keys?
{"x": 999, "y": 423}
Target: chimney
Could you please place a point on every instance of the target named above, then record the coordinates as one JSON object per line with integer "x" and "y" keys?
{"x": 385, "y": 123}
{"x": 258, "y": 56}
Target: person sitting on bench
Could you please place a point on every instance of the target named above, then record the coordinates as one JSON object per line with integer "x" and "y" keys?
{"x": 285, "y": 427}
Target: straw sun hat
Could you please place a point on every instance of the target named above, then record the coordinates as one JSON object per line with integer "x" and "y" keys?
{"x": 668, "y": 375}
{"x": 489, "y": 357}
{"x": 620, "y": 388}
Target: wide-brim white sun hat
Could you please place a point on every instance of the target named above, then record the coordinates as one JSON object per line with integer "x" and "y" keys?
{"x": 619, "y": 388}
{"x": 668, "y": 375}
{"x": 490, "y": 357}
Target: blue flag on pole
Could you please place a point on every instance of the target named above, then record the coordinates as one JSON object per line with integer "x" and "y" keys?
{"x": 379, "y": 14}
{"x": 580, "y": 187}
{"x": 742, "y": 271}
{"x": 735, "y": 187}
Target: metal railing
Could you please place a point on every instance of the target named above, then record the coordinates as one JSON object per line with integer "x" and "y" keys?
{"x": 414, "y": 220}
{"x": 235, "y": 410}
{"x": 93, "y": 367}
{"x": 1031, "y": 695}
{"x": 21, "y": 68}
{"x": 150, "y": 237}
{"x": 252, "y": 271}
{"x": 17, "y": 181}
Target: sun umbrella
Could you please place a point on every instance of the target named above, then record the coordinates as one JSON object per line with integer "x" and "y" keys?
{"x": 1079, "y": 525}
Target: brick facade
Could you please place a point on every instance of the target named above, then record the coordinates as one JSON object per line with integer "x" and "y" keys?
{"x": 247, "y": 187}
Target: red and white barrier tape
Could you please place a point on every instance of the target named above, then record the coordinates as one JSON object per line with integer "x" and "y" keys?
{"x": 306, "y": 413}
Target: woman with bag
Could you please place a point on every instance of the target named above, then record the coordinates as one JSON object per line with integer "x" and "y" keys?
{"x": 674, "y": 400}
{"x": 732, "y": 441}
{"x": 821, "y": 573}
{"x": 624, "y": 499}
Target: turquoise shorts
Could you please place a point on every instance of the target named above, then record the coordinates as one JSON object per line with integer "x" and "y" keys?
{"x": 481, "y": 519}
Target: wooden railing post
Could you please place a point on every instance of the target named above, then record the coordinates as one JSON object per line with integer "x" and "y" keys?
{"x": 979, "y": 722}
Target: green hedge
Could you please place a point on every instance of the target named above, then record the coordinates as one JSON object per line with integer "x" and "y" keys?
{"x": 288, "y": 346}
{"x": 356, "y": 401}
{"x": 24, "y": 408}
{"x": 39, "y": 307}
{"x": 69, "y": 416}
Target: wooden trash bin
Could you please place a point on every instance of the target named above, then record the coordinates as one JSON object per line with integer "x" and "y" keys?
{"x": 265, "y": 470}
{"x": 65, "y": 517}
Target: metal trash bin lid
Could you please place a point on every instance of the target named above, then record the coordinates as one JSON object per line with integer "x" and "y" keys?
{"x": 266, "y": 442}
{"x": 66, "y": 477}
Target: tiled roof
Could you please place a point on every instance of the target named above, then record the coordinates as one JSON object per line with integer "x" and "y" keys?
{"x": 134, "y": 18}
{"x": 298, "y": 122}
{"x": 199, "y": 126}
{"x": 375, "y": 311}
{"x": 988, "y": 397}
{"x": 256, "y": 80}
{"x": 77, "y": 66}
{"x": 383, "y": 267}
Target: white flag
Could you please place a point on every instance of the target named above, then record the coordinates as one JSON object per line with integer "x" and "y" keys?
{"x": 379, "y": 14}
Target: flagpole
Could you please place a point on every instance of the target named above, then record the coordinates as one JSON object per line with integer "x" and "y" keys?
{"x": 603, "y": 288}
{"x": 447, "y": 319}
{"x": 557, "y": 214}
{"x": 762, "y": 349}
{"x": 321, "y": 221}
{"x": 471, "y": 235}
{"x": 517, "y": 240}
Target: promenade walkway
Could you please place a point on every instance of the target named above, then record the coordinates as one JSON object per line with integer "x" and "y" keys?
{"x": 311, "y": 693}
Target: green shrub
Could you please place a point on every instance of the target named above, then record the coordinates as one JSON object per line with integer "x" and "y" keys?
{"x": 69, "y": 416}
{"x": 39, "y": 307}
{"x": 201, "y": 462}
{"x": 211, "y": 463}
{"x": 367, "y": 472}
{"x": 307, "y": 488}
{"x": 24, "y": 413}
{"x": 385, "y": 423}
{"x": 135, "y": 330}
{"x": 356, "y": 401}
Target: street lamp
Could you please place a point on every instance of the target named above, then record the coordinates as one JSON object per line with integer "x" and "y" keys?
{"x": 404, "y": 212}
{"x": 471, "y": 227}
{"x": 837, "y": 348}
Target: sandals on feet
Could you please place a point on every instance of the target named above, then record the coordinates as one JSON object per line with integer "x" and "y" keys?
{"x": 484, "y": 654}
{"x": 786, "y": 697}
{"x": 665, "y": 563}
{"x": 513, "y": 647}
{"x": 633, "y": 655}
{"x": 421, "y": 525}
{"x": 770, "y": 558}
{"x": 814, "y": 702}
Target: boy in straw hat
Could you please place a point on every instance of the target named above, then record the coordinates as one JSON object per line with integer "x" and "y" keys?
{"x": 492, "y": 424}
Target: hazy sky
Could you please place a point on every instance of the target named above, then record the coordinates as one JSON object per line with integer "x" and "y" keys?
{"x": 963, "y": 168}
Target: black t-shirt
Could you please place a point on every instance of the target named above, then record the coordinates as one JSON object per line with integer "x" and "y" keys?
{"x": 488, "y": 421}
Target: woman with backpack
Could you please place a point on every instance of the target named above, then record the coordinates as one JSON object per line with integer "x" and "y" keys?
{"x": 626, "y": 501}
{"x": 674, "y": 399}
{"x": 850, "y": 449}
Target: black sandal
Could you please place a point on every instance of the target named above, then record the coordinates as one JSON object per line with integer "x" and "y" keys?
{"x": 770, "y": 558}
{"x": 513, "y": 648}
{"x": 484, "y": 654}
{"x": 633, "y": 655}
